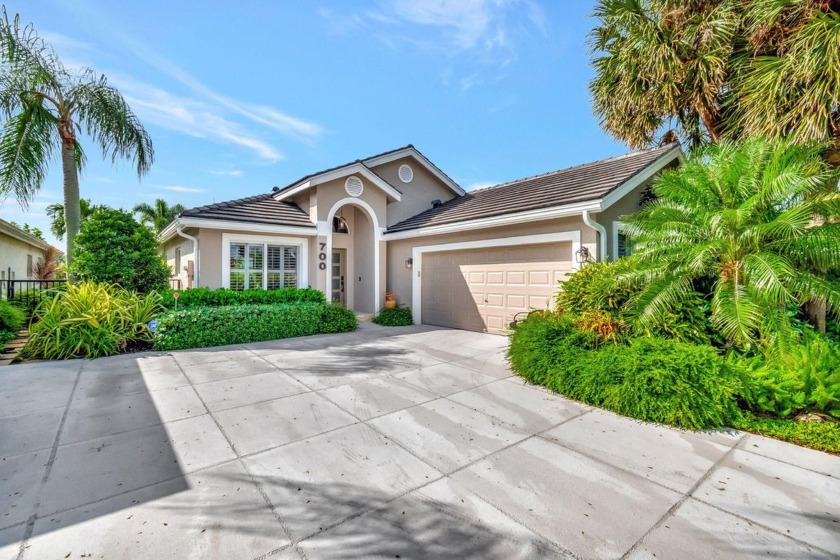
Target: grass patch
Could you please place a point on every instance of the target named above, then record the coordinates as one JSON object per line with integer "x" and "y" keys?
{"x": 823, "y": 436}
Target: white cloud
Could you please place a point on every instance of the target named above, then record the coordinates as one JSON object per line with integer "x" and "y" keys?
{"x": 179, "y": 188}
{"x": 228, "y": 172}
{"x": 189, "y": 116}
{"x": 476, "y": 39}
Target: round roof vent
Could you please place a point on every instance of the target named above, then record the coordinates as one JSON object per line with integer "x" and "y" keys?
{"x": 406, "y": 173}
{"x": 353, "y": 185}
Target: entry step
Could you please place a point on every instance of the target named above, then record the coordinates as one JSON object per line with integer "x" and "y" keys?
{"x": 364, "y": 317}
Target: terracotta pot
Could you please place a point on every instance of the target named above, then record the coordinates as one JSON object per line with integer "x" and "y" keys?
{"x": 389, "y": 296}
{"x": 390, "y": 304}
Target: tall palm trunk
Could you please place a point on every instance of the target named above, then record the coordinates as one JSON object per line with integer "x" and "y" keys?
{"x": 72, "y": 210}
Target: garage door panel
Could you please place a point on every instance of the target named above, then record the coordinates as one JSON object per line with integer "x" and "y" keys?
{"x": 483, "y": 289}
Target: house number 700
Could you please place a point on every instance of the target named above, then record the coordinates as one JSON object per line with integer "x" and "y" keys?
{"x": 322, "y": 256}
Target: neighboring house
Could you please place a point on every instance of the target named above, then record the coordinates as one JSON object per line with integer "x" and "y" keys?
{"x": 19, "y": 252}
{"x": 396, "y": 222}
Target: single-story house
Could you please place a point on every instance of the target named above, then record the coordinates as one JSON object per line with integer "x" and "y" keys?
{"x": 396, "y": 222}
{"x": 19, "y": 253}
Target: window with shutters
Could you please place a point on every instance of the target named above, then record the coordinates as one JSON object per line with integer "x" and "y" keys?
{"x": 263, "y": 266}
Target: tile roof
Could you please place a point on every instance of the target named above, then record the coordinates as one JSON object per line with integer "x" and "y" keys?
{"x": 260, "y": 209}
{"x": 587, "y": 182}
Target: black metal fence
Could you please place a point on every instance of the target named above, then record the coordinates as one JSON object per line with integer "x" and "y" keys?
{"x": 28, "y": 291}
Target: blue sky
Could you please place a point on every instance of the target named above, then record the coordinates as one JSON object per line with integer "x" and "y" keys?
{"x": 240, "y": 96}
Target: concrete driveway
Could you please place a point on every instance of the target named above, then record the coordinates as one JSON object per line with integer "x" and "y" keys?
{"x": 396, "y": 443}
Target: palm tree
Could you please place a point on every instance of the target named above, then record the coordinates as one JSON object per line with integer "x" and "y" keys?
{"x": 714, "y": 70}
{"x": 659, "y": 66}
{"x": 45, "y": 107}
{"x": 158, "y": 215}
{"x": 56, "y": 214}
{"x": 741, "y": 218}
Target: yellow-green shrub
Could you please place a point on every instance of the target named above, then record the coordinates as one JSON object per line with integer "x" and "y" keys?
{"x": 89, "y": 320}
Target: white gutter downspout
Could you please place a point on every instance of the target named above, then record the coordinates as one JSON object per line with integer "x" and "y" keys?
{"x": 602, "y": 235}
{"x": 180, "y": 231}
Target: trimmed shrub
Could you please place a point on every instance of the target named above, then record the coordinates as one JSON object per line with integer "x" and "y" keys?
{"x": 805, "y": 378}
{"x": 200, "y": 327}
{"x": 397, "y": 317}
{"x": 89, "y": 320}
{"x": 194, "y": 297}
{"x": 113, "y": 248}
{"x": 657, "y": 380}
{"x": 336, "y": 319}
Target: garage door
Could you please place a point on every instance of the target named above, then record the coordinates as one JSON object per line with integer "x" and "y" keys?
{"x": 482, "y": 289}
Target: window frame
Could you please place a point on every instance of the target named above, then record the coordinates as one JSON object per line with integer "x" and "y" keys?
{"x": 301, "y": 244}
{"x": 616, "y": 227}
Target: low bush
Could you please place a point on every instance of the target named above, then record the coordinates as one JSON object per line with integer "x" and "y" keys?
{"x": 396, "y": 317}
{"x": 194, "y": 297}
{"x": 200, "y": 327}
{"x": 685, "y": 385}
{"x": 824, "y": 436}
{"x": 595, "y": 287}
{"x": 805, "y": 378}
{"x": 12, "y": 317}
{"x": 336, "y": 319}
{"x": 89, "y": 320}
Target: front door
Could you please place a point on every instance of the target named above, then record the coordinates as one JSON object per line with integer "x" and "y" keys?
{"x": 339, "y": 261}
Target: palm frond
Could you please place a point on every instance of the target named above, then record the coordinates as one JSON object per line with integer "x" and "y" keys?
{"x": 27, "y": 141}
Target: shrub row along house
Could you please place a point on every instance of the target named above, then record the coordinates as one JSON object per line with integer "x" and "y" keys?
{"x": 396, "y": 222}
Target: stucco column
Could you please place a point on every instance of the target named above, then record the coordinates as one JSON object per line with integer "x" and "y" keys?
{"x": 321, "y": 257}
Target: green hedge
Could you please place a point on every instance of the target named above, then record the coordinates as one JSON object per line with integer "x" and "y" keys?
{"x": 397, "y": 317}
{"x": 200, "y": 327}
{"x": 658, "y": 380}
{"x": 11, "y": 321}
{"x": 195, "y": 297}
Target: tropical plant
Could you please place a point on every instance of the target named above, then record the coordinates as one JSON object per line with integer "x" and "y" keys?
{"x": 705, "y": 71}
{"x": 45, "y": 106}
{"x": 157, "y": 215}
{"x": 89, "y": 320}
{"x": 48, "y": 265}
{"x": 33, "y": 231}
{"x": 742, "y": 219}
{"x": 56, "y": 214}
{"x": 113, "y": 248}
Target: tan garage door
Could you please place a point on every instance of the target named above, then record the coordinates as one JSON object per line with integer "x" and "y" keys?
{"x": 482, "y": 289}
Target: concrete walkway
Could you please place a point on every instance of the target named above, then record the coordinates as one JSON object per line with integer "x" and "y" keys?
{"x": 395, "y": 443}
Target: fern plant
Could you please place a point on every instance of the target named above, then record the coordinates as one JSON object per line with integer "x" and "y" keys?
{"x": 807, "y": 377}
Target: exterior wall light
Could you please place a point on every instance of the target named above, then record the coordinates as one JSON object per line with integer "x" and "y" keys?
{"x": 409, "y": 262}
{"x": 582, "y": 255}
{"x": 340, "y": 225}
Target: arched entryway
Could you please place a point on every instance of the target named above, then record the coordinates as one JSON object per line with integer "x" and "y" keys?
{"x": 353, "y": 256}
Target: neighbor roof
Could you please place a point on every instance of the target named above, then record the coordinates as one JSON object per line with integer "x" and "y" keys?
{"x": 261, "y": 209}
{"x": 582, "y": 183}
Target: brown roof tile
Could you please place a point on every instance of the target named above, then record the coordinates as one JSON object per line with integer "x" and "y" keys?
{"x": 261, "y": 209}
{"x": 590, "y": 181}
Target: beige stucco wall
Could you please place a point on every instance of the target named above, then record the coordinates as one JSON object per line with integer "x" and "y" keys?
{"x": 628, "y": 204}
{"x": 399, "y": 278}
{"x": 187, "y": 254}
{"x": 211, "y": 254}
{"x": 417, "y": 196}
{"x": 13, "y": 255}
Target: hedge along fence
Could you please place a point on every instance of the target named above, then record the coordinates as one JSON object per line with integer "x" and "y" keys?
{"x": 200, "y": 327}
{"x": 195, "y": 297}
